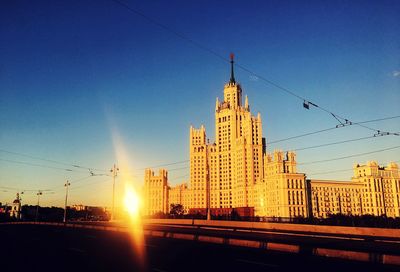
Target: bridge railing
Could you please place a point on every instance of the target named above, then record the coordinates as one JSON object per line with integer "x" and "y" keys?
{"x": 362, "y": 244}
{"x": 373, "y": 233}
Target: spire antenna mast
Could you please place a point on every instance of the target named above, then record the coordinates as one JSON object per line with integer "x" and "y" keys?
{"x": 232, "y": 80}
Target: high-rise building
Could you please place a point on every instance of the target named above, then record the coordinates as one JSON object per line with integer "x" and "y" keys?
{"x": 232, "y": 165}
{"x": 199, "y": 167}
{"x": 235, "y": 172}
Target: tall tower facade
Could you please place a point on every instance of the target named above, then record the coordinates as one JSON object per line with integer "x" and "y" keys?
{"x": 232, "y": 164}
{"x": 198, "y": 167}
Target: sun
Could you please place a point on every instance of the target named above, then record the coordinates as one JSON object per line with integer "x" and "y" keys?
{"x": 131, "y": 202}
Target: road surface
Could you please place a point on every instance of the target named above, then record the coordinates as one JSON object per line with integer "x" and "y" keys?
{"x": 54, "y": 248}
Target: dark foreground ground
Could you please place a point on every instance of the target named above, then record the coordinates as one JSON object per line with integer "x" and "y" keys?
{"x": 48, "y": 248}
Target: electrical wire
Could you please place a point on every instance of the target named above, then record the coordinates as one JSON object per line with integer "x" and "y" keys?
{"x": 84, "y": 185}
{"x": 72, "y": 181}
{"x": 332, "y": 128}
{"x": 50, "y": 160}
{"x": 41, "y": 165}
{"x": 76, "y": 166}
{"x": 306, "y": 102}
{"x": 334, "y": 143}
{"x": 339, "y": 170}
{"x": 350, "y": 156}
{"x": 161, "y": 165}
{"x": 301, "y": 135}
{"x": 10, "y": 188}
{"x": 182, "y": 176}
{"x": 331, "y": 172}
{"x": 185, "y": 161}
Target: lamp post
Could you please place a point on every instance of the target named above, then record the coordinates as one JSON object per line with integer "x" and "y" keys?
{"x": 19, "y": 205}
{"x": 114, "y": 171}
{"x": 208, "y": 193}
{"x": 67, "y": 184}
{"x": 39, "y": 193}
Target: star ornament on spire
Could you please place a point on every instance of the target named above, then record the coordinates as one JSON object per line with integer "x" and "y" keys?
{"x": 231, "y": 56}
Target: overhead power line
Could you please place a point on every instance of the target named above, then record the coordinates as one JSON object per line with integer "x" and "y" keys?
{"x": 332, "y": 128}
{"x": 91, "y": 169}
{"x": 162, "y": 165}
{"x": 380, "y": 119}
{"x": 50, "y": 160}
{"x": 306, "y": 102}
{"x": 180, "y": 177}
{"x": 177, "y": 169}
{"x": 334, "y": 143}
{"x": 41, "y": 165}
{"x": 331, "y": 172}
{"x": 350, "y": 156}
{"x": 11, "y": 188}
{"x": 339, "y": 170}
{"x": 172, "y": 31}
{"x": 87, "y": 184}
{"x": 53, "y": 190}
{"x": 59, "y": 187}
{"x": 301, "y": 135}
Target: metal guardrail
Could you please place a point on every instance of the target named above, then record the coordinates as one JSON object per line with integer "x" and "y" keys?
{"x": 379, "y": 249}
{"x": 393, "y": 234}
{"x": 306, "y": 241}
{"x": 293, "y": 232}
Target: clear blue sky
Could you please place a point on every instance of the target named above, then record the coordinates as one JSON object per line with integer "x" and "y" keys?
{"x": 72, "y": 71}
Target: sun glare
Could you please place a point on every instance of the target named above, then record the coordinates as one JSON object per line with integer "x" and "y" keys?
{"x": 131, "y": 202}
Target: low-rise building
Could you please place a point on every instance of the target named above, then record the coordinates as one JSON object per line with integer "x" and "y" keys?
{"x": 329, "y": 197}
{"x": 15, "y": 210}
{"x": 373, "y": 190}
{"x": 381, "y": 188}
{"x": 285, "y": 192}
{"x": 155, "y": 192}
{"x": 177, "y": 195}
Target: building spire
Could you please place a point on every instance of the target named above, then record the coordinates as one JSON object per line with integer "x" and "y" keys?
{"x": 232, "y": 80}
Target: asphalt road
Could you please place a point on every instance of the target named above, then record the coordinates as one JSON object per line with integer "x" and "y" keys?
{"x": 51, "y": 248}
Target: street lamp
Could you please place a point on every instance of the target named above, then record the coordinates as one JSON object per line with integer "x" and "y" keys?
{"x": 208, "y": 186}
{"x": 67, "y": 184}
{"x": 19, "y": 210}
{"x": 39, "y": 193}
{"x": 114, "y": 171}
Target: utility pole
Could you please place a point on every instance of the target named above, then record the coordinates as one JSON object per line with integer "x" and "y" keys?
{"x": 114, "y": 172}
{"x": 19, "y": 205}
{"x": 208, "y": 193}
{"x": 67, "y": 184}
{"x": 39, "y": 193}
